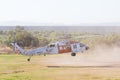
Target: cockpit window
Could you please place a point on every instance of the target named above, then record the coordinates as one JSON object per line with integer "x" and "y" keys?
{"x": 82, "y": 45}
{"x": 52, "y": 45}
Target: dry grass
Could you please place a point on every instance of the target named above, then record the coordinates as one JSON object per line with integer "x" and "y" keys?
{"x": 15, "y": 67}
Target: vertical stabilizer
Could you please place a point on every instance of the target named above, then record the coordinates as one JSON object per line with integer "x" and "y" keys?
{"x": 18, "y": 48}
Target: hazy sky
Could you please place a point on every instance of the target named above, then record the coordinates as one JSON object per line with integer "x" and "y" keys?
{"x": 60, "y": 11}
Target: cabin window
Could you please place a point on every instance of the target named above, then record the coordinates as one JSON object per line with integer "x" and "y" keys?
{"x": 75, "y": 46}
{"x": 64, "y": 47}
{"x": 82, "y": 45}
{"x": 61, "y": 48}
{"x": 52, "y": 45}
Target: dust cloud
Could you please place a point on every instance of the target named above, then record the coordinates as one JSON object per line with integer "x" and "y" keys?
{"x": 106, "y": 54}
{"x": 101, "y": 56}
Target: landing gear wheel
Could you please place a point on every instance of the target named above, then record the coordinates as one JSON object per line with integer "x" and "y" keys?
{"x": 44, "y": 54}
{"x": 73, "y": 54}
{"x": 28, "y": 59}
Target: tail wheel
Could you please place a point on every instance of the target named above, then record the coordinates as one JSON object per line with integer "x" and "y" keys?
{"x": 28, "y": 59}
{"x": 73, "y": 54}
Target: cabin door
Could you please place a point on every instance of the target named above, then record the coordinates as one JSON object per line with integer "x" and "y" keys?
{"x": 75, "y": 47}
{"x": 64, "y": 49}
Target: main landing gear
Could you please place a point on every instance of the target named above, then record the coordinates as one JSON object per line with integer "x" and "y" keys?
{"x": 73, "y": 54}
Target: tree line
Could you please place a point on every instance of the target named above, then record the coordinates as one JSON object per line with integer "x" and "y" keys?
{"x": 30, "y": 38}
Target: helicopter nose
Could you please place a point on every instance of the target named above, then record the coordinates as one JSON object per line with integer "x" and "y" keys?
{"x": 87, "y": 48}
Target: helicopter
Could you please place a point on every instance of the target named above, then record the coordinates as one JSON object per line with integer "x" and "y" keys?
{"x": 58, "y": 47}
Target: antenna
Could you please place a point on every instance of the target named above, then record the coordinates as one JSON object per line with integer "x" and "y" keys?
{"x": 14, "y": 39}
